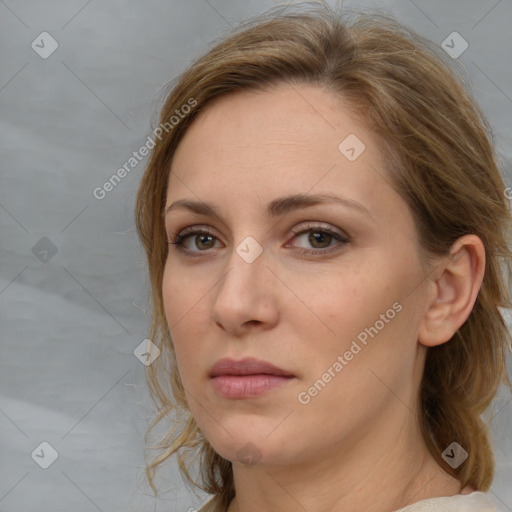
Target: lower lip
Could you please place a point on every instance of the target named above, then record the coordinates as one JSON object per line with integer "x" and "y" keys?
{"x": 247, "y": 386}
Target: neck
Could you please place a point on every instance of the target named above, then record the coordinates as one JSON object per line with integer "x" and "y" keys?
{"x": 386, "y": 468}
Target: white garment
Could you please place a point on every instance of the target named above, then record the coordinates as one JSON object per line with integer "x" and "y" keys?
{"x": 474, "y": 502}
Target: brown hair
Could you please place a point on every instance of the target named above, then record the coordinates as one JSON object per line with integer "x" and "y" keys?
{"x": 444, "y": 166}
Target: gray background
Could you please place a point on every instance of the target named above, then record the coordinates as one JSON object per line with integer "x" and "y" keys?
{"x": 70, "y": 321}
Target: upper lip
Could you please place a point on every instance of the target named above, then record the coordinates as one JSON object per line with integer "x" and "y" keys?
{"x": 246, "y": 366}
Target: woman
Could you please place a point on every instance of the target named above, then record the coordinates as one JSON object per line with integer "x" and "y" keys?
{"x": 326, "y": 228}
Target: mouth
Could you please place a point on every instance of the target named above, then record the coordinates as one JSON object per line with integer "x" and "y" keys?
{"x": 248, "y": 378}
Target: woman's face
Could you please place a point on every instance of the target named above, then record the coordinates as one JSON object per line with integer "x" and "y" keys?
{"x": 328, "y": 290}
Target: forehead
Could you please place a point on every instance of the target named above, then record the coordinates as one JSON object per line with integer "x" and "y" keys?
{"x": 256, "y": 145}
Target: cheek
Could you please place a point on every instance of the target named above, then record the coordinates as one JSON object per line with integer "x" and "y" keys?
{"x": 361, "y": 303}
{"x": 343, "y": 303}
{"x": 182, "y": 293}
{"x": 174, "y": 295}
{"x": 183, "y": 308}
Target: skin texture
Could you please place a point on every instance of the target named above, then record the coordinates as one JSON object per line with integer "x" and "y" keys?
{"x": 358, "y": 437}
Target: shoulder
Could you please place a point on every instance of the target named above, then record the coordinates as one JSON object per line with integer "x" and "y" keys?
{"x": 474, "y": 502}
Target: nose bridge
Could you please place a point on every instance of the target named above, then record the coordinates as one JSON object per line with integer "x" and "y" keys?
{"x": 246, "y": 267}
{"x": 246, "y": 291}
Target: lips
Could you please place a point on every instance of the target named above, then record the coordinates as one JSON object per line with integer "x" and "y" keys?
{"x": 248, "y": 378}
{"x": 247, "y": 366}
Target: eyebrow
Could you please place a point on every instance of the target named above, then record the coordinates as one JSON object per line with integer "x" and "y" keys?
{"x": 276, "y": 208}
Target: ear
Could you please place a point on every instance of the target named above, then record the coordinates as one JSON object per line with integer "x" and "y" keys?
{"x": 453, "y": 291}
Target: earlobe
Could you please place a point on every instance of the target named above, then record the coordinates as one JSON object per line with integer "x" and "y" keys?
{"x": 454, "y": 291}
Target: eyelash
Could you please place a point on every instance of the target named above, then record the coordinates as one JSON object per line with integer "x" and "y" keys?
{"x": 181, "y": 237}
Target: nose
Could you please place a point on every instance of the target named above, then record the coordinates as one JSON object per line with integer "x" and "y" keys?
{"x": 246, "y": 297}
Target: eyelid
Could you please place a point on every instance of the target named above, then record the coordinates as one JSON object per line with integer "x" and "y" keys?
{"x": 195, "y": 229}
{"x": 320, "y": 226}
{"x": 295, "y": 230}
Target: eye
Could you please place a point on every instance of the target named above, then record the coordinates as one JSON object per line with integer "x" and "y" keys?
{"x": 194, "y": 240}
{"x": 322, "y": 239}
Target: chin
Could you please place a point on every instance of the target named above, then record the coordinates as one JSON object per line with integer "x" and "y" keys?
{"x": 253, "y": 445}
